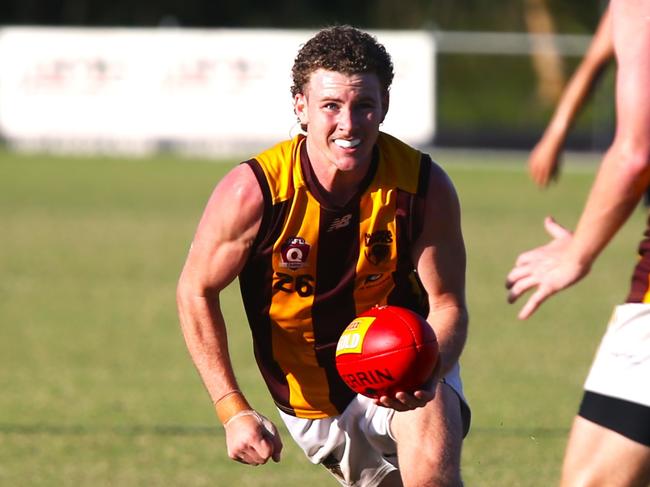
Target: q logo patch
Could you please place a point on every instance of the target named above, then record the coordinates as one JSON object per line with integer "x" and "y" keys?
{"x": 294, "y": 253}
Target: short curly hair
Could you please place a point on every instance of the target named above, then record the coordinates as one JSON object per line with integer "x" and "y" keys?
{"x": 343, "y": 49}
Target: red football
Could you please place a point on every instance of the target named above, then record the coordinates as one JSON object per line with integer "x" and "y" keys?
{"x": 385, "y": 350}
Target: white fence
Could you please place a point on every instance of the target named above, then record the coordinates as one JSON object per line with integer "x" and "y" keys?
{"x": 209, "y": 91}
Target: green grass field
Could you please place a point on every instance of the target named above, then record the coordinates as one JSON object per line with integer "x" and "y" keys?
{"x": 96, "y": 387}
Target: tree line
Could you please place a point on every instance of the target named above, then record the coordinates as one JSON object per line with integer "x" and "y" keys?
{"x": 506, "y": 15}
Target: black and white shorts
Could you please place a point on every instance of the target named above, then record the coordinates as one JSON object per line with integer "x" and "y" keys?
{"x": 617, "y": 389}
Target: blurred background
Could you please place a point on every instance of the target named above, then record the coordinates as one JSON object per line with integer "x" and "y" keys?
{"x": 487, "y": 77}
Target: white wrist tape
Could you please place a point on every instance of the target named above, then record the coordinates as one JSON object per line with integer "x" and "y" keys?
{"x": 240, "y": 414}
{"x": 268, "y": 426}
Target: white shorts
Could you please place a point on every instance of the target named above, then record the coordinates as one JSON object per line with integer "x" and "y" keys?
{"x": 621, "y": 368}
{"x": 357, "y": 447}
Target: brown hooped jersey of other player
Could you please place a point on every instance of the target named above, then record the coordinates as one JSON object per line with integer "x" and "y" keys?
{"x": 640, "y": 285}
{"x": 315, "y": 266}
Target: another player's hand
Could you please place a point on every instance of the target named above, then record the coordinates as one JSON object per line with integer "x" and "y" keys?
{"x": 544, "y": 161}
{"x": 547, "y": 269}
{"x": 252, "y": 439}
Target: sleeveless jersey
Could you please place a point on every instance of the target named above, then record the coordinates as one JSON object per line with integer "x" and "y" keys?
{"x": 315, "y": 266}
{"x": 640, "y": 286}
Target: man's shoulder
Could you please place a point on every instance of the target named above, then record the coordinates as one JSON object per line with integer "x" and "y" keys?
{"x": 391, "y": 144}
{"x": 402, "y": 163}
{"x": 274, "y": 167}
{"x": 281, "y": 152}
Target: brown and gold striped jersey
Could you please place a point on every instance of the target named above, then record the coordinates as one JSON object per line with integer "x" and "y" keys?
{"x": 640, "y": 285}
{"x": 314, "y": 266}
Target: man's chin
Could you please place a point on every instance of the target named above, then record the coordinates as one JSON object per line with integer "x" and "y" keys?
{"x": 348, "y": 164}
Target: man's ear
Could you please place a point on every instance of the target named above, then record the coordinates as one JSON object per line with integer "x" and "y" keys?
{"x": 385, "y": 102}
{"x": 300, "y": 109}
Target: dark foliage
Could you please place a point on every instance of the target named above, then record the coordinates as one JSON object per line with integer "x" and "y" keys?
{"x": 378, "y": 14}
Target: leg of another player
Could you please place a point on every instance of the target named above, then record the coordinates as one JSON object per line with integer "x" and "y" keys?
{"x": 429, "y": 442}
{"x": 598, "y": 456}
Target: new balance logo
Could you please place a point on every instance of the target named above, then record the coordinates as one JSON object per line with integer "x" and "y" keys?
{"x": 341, "y": 222}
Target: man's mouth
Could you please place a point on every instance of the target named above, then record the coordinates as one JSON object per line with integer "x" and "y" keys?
{"x": 347, "y": 143}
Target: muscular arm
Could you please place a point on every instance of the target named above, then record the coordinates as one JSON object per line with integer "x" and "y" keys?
{"x": 625, "y": 170}
{"x": 219, "y": 250}
{"x": 439, "y": 255}
{"x": 621, "y": 180}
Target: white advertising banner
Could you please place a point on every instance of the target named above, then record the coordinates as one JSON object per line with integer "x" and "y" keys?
{"x": 223, "y": 90}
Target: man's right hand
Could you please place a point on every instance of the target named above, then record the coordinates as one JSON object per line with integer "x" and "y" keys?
{"x": 252, "y": 438}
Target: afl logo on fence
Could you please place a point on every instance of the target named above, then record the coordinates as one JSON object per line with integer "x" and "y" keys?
{"x": 378, "y": 246}
{"x": 294, "y": 253}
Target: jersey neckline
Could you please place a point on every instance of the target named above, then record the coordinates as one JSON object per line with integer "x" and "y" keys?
{"x": 320, "y": 193}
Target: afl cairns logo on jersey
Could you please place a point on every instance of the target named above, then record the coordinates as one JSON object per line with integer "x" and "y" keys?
{"x": 378, "y": 246}
{"x": 294, "y": 253}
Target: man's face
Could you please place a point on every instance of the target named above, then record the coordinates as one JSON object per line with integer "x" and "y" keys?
{"x": 342, "y": 113}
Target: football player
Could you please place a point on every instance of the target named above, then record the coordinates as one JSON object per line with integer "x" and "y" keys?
{"x": 318, "y": 229}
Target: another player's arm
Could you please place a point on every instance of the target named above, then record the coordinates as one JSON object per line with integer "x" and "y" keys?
{"x": 622, "y": 177}
{"x": 439, "y": 256}
{"x": 544, "y": 158}
{"x": 625, "y": 171}
{"x": 219, "y": 250}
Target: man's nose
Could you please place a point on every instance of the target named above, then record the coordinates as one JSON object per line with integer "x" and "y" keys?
{"x": 346, "y": 119}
